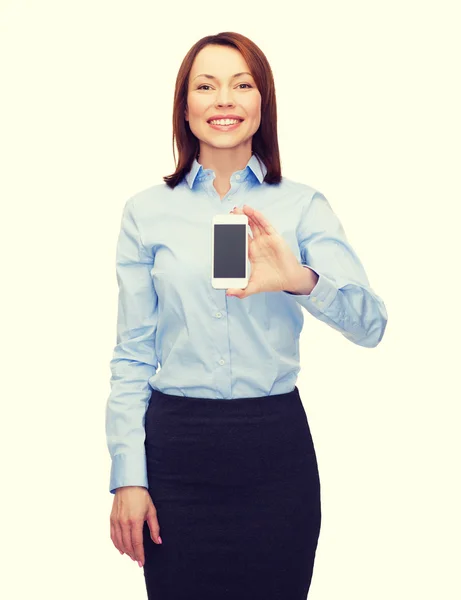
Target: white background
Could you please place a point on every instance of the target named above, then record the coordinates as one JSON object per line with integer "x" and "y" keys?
{"x": 368, "y": 97}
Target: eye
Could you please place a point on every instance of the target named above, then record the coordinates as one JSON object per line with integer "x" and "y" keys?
{"x": 206, "y": 85}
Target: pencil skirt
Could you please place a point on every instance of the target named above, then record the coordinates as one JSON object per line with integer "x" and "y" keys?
{"x": 236, "y": 486}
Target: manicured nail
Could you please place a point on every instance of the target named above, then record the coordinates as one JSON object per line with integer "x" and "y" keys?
{"x": 139, "y": 563}
{"x": 122, "y": 553}
{"x": 160, "y": 540}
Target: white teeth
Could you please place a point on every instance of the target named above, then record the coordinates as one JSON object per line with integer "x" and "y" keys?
{"x": 225, "y": 122}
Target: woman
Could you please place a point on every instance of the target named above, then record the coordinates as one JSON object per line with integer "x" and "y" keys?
{"x": 214, "y": 450}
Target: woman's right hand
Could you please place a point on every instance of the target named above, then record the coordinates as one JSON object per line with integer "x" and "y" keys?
{"x": 131, "y": 507}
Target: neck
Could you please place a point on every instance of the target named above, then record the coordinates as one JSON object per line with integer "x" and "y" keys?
{"x": 224, "y": 161}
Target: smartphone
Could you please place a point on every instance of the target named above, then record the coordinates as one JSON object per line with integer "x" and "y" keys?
{"x": 229, "y": 251}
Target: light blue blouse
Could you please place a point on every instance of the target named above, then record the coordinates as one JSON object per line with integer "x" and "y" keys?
{"x": 179, "y": 335}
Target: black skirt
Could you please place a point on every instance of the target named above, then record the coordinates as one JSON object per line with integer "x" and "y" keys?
{"x": 237, "y": 492}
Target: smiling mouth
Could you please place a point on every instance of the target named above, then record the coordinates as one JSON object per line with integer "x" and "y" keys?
{"x": 225, "y": 127}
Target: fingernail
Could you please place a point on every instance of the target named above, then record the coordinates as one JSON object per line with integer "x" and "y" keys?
{"x": 122, "y": 553}
{"x": 139, "y": 563}
{"x": 160, "y": 540}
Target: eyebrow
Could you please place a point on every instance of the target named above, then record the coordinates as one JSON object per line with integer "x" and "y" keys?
{"x": 233, "y": 76}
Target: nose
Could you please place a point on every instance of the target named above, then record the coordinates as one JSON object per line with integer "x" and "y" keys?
{"x": 228, "y": 103}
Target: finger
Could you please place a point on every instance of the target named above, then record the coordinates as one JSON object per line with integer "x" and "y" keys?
{"x": 263, "y": 224}
{"x": 118, "y": 537}
{"x": 254, "y": 224}
{"x": 250, "y": 289}
{"x": 126, "y": 536}
{"x": 251, "y": 222}
{"x": 154, "y": 528}
{"x": 112, "y": 537}
{"x": 253, "y": 227}
{"x": 136, "y": 541}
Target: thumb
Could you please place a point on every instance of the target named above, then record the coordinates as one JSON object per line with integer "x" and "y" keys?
{"x": 250, "y": 289}
{"x": 154, "y": 526}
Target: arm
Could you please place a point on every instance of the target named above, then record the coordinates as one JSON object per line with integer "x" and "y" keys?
{"x": 134, "y": 359}
{"x": 339, "y": 291}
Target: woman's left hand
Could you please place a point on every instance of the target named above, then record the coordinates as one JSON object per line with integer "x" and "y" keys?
{"x": 274, "y": 267}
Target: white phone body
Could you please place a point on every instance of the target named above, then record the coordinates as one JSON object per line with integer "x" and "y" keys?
{"x": 229, "y": 251}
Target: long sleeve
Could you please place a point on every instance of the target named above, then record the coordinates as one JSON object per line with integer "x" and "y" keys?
{"x": 134, "y": 358}
{"x": 342, "y": 297}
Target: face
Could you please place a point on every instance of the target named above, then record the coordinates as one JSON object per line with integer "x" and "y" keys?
{"x": 223, "y": 95}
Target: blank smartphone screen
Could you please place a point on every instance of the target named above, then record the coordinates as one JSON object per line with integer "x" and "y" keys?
{"x": 229, "y": 250}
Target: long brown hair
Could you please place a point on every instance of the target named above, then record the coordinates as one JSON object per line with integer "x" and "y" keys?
{"x": 264, "y": 141}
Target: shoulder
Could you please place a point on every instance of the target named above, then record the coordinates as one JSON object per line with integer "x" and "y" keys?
{"x": 149, "y": 198}
{"x": 302, "y": 191}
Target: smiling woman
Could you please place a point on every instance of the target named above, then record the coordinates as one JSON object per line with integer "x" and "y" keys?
{"x": 225, "y": 136}
{"x": 214, "y": 450}
{"x": 225, "y": 76}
